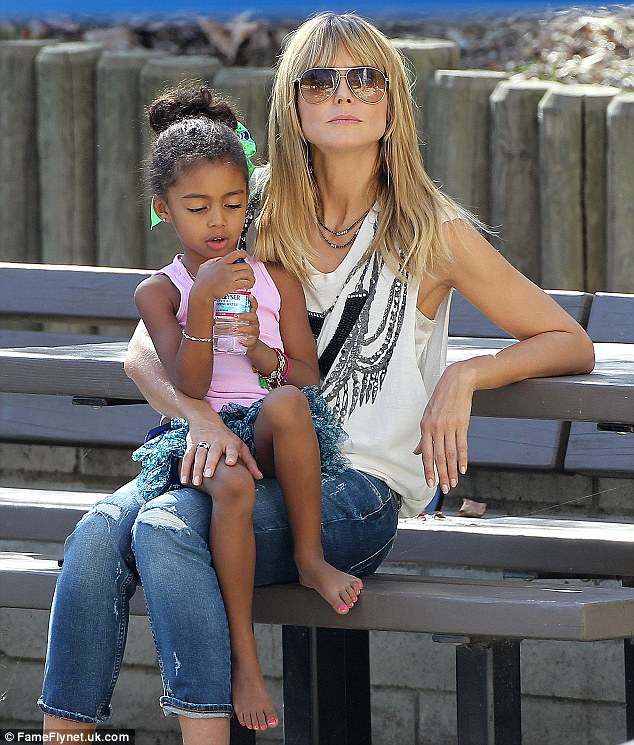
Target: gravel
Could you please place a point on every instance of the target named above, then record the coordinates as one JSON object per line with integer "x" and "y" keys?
{"x": 571, "y": 46}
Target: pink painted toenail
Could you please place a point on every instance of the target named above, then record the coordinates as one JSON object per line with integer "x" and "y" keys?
{"x": 273, "y": 721}
{"x": 343, "y": 608}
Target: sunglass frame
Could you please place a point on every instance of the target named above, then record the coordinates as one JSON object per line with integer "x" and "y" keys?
{"x": 338, "y": 71}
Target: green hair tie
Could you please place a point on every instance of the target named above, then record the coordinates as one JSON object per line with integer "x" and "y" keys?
{"x": 248, "y": 145}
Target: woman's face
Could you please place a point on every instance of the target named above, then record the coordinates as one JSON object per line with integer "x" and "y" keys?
{"x": 343, "y": 123}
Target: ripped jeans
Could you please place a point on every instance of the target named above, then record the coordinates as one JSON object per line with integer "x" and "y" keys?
{"x": 163, "y": 543}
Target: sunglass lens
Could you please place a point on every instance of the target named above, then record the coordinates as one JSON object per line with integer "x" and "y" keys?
{"x": 367, "y": 83}
{"x": 318, "y": 84}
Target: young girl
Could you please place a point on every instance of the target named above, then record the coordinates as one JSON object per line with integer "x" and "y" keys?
{"x": 199, "y": 176}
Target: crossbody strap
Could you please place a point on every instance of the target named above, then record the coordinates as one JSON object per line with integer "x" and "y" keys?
{"x": 351, "y": 312}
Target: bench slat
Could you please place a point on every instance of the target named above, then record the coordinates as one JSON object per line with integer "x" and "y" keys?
{"x": 547, "y": 545}
{"x": 512, "y": 443}
{"x": 53, "y": 420}
{"x": 501, "y": 609}
{"x": 48, "y": 292}
{"x": 590, "y": 450}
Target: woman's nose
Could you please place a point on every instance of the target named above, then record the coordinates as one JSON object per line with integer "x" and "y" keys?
{"x": 343, "y": 91}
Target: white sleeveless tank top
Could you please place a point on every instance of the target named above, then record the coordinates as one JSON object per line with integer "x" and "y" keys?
{"x": 386, "y": 370}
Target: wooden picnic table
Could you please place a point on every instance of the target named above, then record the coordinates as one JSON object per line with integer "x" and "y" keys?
{"x": 96, "y": 370}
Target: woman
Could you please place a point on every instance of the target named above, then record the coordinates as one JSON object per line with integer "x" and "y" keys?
{"x": 347, "y": 207}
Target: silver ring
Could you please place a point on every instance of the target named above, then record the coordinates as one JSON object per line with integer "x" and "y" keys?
{"x": 203, "y": 444}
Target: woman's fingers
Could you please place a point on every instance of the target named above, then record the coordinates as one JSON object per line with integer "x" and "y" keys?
{"x": 444, "y": 453}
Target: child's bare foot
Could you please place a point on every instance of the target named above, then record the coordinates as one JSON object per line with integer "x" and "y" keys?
{"x": 251, "y": 701}
{"x": 339, "y": 589}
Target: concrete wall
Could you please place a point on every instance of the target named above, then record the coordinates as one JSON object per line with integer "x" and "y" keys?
{"x": 573, "y": 693}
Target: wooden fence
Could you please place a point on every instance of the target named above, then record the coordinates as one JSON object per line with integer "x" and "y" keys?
{"x": 550, "y": 167}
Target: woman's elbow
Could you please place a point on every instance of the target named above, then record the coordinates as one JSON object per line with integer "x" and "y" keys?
{"x": 131, "y": 366}
{"x": 585, "y": 355}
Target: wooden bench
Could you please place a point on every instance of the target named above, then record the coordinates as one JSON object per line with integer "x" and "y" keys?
{"x": 41, "y": 305}
{"x": 326, "y": 660}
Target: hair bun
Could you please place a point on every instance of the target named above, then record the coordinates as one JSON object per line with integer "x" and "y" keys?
{"x": 189, "y": 100}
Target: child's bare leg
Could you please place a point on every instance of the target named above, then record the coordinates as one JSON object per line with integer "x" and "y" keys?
{"x": 288, "y": 449}
{"x": 233, "y": 550}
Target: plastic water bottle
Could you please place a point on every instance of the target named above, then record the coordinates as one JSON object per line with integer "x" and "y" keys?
{"x": 227, "y": 312}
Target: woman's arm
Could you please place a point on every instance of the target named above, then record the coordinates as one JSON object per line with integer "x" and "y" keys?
{"x": 551, "y": 343}
{"x": 143, "y": 366}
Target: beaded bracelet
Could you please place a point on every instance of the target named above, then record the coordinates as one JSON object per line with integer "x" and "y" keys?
{"x": 196, "y": 338}
{"x": 276, "y": 377}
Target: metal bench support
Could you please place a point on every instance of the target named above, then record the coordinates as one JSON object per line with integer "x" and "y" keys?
{"x": 488, "y": 693}
{"x": 326, "y": 686}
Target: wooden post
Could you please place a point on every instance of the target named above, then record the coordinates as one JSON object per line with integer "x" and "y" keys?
{"x": 161, "y": 244}
{"x": 425, "y": 56}
{"x": 122, "y": 215}
{"x": 596, "y": 101}
{"x": 19, "y": 235}
{"x": 66, "y": 146}
{"x": 515, "y": 203}
{"x": 572, "y": 181}
{"x": 561, "y": 188}
{"x": 620, "y": 194}
{"x": 250, "y": 89}
{"x": 458, "y": 156}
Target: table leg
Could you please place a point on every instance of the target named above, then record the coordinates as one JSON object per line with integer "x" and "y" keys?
{"x": 343, "y": 687}
{"x": 488, "y": 692}
{"x": 628, "y": 648}
{"x": 326, "y": 686}
{"x": 299, "y": 703}
{"x": 240, "y": 735}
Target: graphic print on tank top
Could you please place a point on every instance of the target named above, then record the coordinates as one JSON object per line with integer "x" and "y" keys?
{"x": 358, "y": 372}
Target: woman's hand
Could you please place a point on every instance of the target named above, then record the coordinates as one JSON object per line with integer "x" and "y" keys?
{"x": 444, "y": 426}
{"x": 200, "y": 461}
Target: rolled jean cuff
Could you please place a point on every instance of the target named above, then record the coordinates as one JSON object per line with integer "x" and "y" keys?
{"x": 74, "y": 716}
{"x": 171, "y": 705}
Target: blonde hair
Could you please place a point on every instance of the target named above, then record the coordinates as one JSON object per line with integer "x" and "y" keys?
{"x": 411, "y": 207}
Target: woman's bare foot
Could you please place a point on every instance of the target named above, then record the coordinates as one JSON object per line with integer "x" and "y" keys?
{"x": 251, "y": 701}
{"x": 471, "y": 508}
{"x": 339, "y": 589}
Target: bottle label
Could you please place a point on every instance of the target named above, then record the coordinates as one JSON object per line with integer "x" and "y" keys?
{"x": 233, "y": 303}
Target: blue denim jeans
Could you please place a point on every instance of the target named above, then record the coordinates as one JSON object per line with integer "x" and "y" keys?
{"x": 163, "y": 544}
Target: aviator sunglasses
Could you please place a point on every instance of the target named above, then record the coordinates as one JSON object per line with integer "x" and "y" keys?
{"x": 319, "y": 83}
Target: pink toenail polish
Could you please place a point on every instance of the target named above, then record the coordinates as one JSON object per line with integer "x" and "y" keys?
{"x": 343, "y": 608}
{"x": 273, "y": 721}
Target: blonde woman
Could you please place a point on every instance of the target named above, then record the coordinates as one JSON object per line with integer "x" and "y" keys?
{"x": 347, "y": 208}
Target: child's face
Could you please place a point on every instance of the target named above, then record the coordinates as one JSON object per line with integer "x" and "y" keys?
{"x": 207, "y": 205}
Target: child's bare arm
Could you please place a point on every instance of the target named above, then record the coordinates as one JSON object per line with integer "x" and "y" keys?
{"x": 188, "y": 364}
{"x": 299, "y": 344}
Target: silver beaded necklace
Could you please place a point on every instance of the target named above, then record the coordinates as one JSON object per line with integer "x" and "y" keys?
{"x": 358, "y": 222}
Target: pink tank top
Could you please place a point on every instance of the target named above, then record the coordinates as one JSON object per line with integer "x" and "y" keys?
{"x": 234, "y": 380}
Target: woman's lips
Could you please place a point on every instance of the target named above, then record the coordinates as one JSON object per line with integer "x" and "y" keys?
{"x": 343, "y": 119}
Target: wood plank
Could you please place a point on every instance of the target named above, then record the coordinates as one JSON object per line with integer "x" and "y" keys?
{"x": 48, "y": 292}
{"x": 466, "y": 320}
{"x": 504, "y": 609}
{"x": 539, "y": 544}
{"x": 612, "y": 318}
{"x": 42, "y": 515}
{"x": 590, "y": 450}
{"x": 53, "y": 420}
{"x": 606, "y": 394}
{"x": 505, "y": 442}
